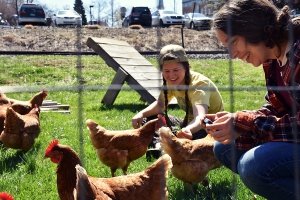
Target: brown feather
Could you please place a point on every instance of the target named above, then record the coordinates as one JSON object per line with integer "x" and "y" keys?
{"x": 24, "y": 107}
{"x": 149, "y": 184}
{"x": 117, "y": 149}
{"x": 192, "y": 159}
{"x": 20, "y": 130}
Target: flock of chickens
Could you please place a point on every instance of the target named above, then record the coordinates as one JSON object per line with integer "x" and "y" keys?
{"x": 19, "y": 121}
{"x": 187, "y": 160}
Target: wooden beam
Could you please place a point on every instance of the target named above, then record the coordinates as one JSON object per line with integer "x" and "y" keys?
{"x": 115, "y": 87}
{"x": 58, "y": 106}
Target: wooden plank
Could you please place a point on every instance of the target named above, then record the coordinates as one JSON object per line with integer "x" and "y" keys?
{"x": 45, "y": 109}
{"x": 59, "y": 106}
{"x": 135, "y": 56}
{"x": 118, "y": 49}
{"x": 145, "y": 83}
{"x": 57, "y": 111}
{"x": 130, "y": 66}
{"x": 48, "y": 103}
{"x": 147, "y": 76}
{"x": 112, "y": 93}
{"x": 108, "y": 41}
{"x": 144, "y": 69}
{"x": 132, "y": 62}
{"x": 103, "y": 54}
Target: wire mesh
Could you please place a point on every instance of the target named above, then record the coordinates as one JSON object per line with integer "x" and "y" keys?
{"x": 79, "y": 86}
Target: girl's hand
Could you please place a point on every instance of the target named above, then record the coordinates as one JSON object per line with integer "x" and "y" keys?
{"x": 222, "y": 128}
{"x": 137, "y": 120}
{"x": 184, "y": 133}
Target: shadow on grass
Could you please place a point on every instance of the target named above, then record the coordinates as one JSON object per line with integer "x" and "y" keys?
{"x": 130, "y": 106}
{"x": 221, "y": 191}
{"x": 121, "y": 107}
{"x": 11, "y": 162}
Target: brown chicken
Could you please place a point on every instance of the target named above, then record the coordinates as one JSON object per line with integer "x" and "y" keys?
{"x": 20, "y": 130}
{"x": 5, "y": 196}
{"x": 191, "y": 159}
{"x": 116, "y": 149}
{"x": 72, "y": 180}
{"x": 4, "y": 104}
{"x": 24, "y": 107}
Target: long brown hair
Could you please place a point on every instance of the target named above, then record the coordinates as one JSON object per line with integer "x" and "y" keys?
{"x": 256, "y": 20}
{"x": 187, "y": 80}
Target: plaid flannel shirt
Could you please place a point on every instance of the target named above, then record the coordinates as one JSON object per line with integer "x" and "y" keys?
{"x": 275, "y": 121}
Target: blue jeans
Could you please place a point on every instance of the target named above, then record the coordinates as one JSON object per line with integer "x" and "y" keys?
{"x": 268, "y": 170}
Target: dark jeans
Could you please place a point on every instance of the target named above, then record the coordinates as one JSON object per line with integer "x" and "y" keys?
{"x": 175, "y": 123}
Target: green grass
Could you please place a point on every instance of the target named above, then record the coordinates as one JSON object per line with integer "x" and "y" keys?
{"x": 28, "y": 176}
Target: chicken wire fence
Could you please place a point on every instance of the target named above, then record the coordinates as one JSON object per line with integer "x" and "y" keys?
{"x": 80, "y": 85}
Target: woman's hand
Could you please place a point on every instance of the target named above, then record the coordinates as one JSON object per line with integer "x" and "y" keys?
{"x": 137, "y": 120}
{"x": 184, "y": 133}
{"x": 214, "y": 117}
{"x": 222, "y": 128}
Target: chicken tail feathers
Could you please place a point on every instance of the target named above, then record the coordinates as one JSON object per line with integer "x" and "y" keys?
{"x": 163, "y": 163}
{"x": 83, "y": 188}
{"x": 158, "y": 172}
{"x": 92, "y": 126}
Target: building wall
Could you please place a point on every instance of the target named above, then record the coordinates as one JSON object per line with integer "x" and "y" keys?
{"x": 200, "y": 6}
{"x": 13, "y": 2}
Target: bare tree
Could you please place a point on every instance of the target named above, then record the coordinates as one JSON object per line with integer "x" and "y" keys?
{"x": 49, "y": 11}
{"x": 215, "y": 5}
{"x": 113, "y": 12}
{"x": 100, "y": 6}
{"x": 9, "y": 9}
{"x": 16, "y": 4}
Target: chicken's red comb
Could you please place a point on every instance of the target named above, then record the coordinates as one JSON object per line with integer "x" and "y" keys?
{"x": 5, "y": 196}
{"x": 161, "y": 117}
{"x": 51, "y": 145}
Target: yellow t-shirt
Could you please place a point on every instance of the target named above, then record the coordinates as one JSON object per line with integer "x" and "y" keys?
{"x": 204, "y": 92}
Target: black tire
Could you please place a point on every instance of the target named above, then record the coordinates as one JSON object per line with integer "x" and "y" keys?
{"x": 192, "y": 25}
{"x": 161, "y": 24}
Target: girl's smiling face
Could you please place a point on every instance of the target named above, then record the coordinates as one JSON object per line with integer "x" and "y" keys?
{"x": 240, "y": 48}
{"x": 174, "y": 73}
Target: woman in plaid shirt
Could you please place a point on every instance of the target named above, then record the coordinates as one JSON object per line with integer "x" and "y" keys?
{"x": 262, "y": 146}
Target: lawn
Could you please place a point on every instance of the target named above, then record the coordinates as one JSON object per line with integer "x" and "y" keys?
{"x": 28, "y": 176}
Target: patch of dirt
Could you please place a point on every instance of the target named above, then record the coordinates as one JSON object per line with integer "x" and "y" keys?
{"x": 72, "y": 39}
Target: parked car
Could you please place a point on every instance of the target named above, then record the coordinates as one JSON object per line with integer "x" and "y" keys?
{"x": 93, "y": 22}
{"x": 33, "y": 14}
{"x": 165, "y": 18}
{"x": 67, "y": 18}
{"x": 197, "y": 21}
{"x": 1, "y": 20}
{"x": 139, "y": 15}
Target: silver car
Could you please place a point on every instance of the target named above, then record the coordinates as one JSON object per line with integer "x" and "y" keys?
{"x": 33, "y": 14}
{"x": 67, "y": 17}
{"x": 197, "y": 21}
{"x": 165, "y": 18}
